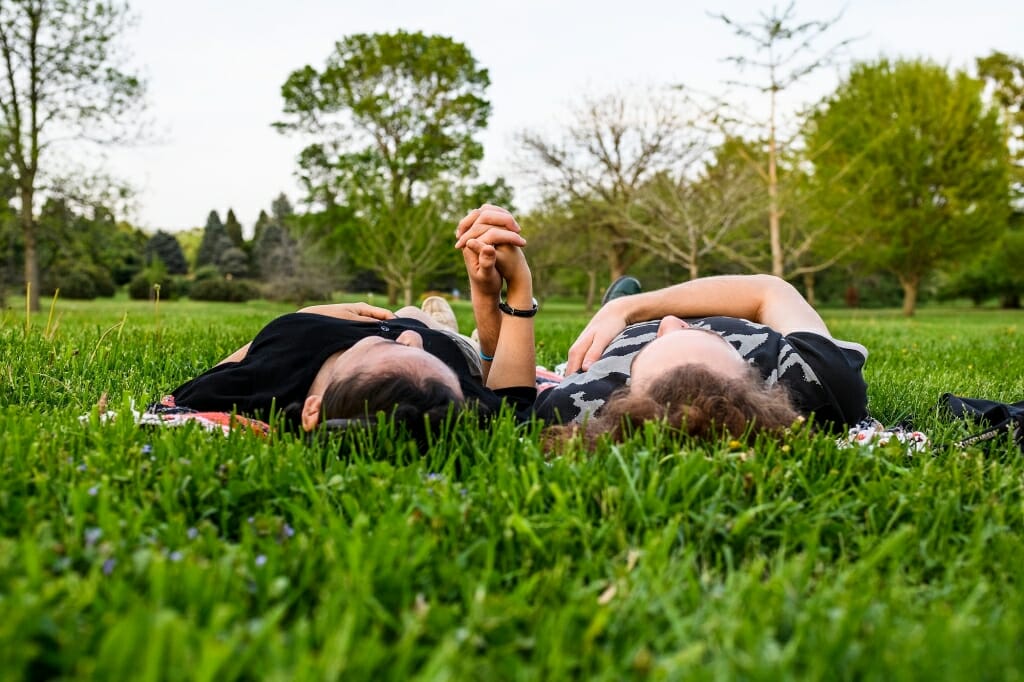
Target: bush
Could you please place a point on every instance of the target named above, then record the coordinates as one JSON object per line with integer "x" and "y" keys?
{"x": 141, "y": 286}
{"x": 78, "y": 281}
{"x": 205, "y": 272}
{"x": 231, "y": 290}
{"x": 297, "y": 290}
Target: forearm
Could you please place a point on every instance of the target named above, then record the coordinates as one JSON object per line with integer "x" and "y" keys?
{"x": 729, "y": 295}
{"x": 764, "y": 299}
{"x": 515, "y": 357}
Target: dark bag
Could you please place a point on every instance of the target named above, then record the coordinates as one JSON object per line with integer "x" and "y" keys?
{"x": 1000, "y": 418}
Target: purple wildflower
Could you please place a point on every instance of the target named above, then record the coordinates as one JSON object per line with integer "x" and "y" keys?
{"x": 175, "y": 556}
{"x": 93, "y": 490}
{"x": 92, "y": 536}
{"x": 82, "y": 467}
{"x": 147, "y": 448}
{"x": 435, "y": 477}
{"x": 261, "y": 560}
{"x": 192, "y": 533}
{"x": 108, "y": 566}
{"x": 287, "y": 531}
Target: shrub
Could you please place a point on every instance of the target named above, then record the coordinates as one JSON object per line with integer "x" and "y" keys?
{"x": 141, "y": 286}
{"x": 231, "y": 290}
{"x": 297, "y": 290}
{"x": 78, "y": 281}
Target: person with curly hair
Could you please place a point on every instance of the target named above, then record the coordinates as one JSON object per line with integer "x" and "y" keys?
{"x": 730, "y": 354}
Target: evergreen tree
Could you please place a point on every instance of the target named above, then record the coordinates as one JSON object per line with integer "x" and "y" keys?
{"x": 234, "y": 229}
{"x": 165, "y": 247}
{"x": 215, "y": 241}
{"x": 261, "y": 224}
{"x": 282, "y": 209}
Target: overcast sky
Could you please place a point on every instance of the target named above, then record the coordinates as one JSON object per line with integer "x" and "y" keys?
{"x": 215, "y": 67}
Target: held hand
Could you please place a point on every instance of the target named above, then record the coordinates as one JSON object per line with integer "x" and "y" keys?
{"x": 480, "y": 220}
{"x": 595, "y": 337}
{"x": 481, "y": 259}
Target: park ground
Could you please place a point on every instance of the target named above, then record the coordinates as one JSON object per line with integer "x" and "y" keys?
{"x": 175, "y": 554}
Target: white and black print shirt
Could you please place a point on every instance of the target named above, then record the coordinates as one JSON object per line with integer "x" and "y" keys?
{"x": 822, "y": 375}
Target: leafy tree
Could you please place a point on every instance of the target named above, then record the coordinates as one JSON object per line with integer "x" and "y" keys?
{"x": 909, "y": 157}
{"x": 233, "y": 229}
{"x": 60, "y": 78}
{"x": 215, "y": 241}
{"x": 393, "y": 119}
{"x": 1004, "y": 76}
{"x": 165, "y": 247}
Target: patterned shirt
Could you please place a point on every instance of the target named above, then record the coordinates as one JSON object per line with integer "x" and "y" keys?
{"x": 822, "y": 375}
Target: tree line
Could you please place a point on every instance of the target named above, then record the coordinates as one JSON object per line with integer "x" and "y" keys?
{"x": 907, "y": 178}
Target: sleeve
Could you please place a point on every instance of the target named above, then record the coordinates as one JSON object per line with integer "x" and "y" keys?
{"x": 842, "y": 397}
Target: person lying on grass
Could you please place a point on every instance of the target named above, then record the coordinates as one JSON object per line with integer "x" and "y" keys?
{"x": 732, "y": 353}
{"x": 353, "y": 360}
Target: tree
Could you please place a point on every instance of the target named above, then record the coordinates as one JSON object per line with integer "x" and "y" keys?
{"x": 393, "y": 118}
{"x": 613, "y": 147}
{"x": 784, "y": 54}
{"x": 60, "y": 78}
{"x": 911, "y": 159}
{"x": 215, "y": 241}
{"x": 687, "y": 217}
{"x": 1004, "y": 76}
{"x": 233, "y": 229}
{"x": 165, "y": 247}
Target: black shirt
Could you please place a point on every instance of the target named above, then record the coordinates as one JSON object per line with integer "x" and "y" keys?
{"x": 822, "y": 375}
{"x": 287, "y": 354}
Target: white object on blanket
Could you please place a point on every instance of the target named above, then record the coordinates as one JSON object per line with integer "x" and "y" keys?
{"x": 870, "y": 433}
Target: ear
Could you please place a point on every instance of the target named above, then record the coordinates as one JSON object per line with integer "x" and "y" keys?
{"x": 311, "y": 412}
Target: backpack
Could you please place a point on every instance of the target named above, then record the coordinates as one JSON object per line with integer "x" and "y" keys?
{"x": 999, "y": 418}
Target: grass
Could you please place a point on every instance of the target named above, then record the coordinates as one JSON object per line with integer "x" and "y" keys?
{"x": 129, "y": 553}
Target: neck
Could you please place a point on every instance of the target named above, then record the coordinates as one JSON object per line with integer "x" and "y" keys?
{"x": 323, "y": 377}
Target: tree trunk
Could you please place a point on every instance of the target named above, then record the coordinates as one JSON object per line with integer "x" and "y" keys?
{"x": 392, "y": 295}
{"x": 28, "y": 228}
{"x": 774, "y": 231}
{"x": 809, "y": 287}
{"x": 909, "y": 284}
{"x": 591, "y": 288}
{"x": 1010, "y": 301}
{"x": 407, "y": 292}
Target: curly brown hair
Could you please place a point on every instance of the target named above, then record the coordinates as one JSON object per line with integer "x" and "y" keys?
{"x": 692, "y": 400}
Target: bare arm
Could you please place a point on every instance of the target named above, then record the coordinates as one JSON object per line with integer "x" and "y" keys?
{"x": 764, "y": 299}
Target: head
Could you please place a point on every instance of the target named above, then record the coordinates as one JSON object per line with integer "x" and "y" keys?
{"x": 680, "y": 344}
{"x": 691, "y": 399}
{"x": 396, "y": 377}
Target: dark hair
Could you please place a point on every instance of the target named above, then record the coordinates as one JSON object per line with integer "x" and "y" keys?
{"x": 692, "y": 400}
{"x": 420, "y": 404}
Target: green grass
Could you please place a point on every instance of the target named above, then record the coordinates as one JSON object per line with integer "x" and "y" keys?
{"x": 174, "y": 554}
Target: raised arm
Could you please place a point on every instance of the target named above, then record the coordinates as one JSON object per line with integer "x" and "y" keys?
{"x": 764, "y": 299}
{"x": 490, "y": 243}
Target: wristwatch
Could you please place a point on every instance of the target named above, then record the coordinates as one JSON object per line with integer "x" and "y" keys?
{"x": 515, "y": 312}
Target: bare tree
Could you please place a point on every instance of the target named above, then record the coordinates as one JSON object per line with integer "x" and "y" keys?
{"x": 686, "y": 217}
{"x": 784, "y": 54}
{"x": 614, "y": 145}
{"x": 60, "y": 78}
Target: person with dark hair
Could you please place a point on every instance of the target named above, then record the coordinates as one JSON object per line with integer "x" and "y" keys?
{"x": 355, "y": 360}
{"x": 730, "y": 354}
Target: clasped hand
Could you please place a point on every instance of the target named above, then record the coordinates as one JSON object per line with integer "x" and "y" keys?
{"x": 491, "y": 247}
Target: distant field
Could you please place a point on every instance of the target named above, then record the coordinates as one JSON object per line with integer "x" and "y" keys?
{"x": 132, "y": 553}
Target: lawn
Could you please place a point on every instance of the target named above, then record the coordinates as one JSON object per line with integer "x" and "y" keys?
{"x": 175, "y": 554}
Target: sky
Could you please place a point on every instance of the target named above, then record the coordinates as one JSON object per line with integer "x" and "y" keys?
{"x": 214, "y": 69}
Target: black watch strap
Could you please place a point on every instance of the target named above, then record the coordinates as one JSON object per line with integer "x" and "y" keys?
{"x": 515, "y": 312}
